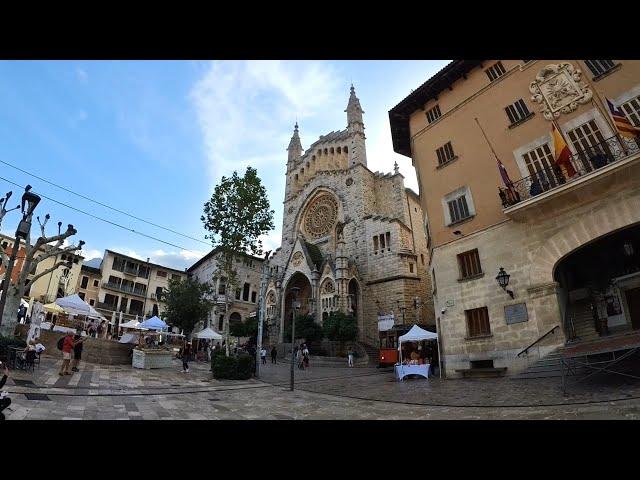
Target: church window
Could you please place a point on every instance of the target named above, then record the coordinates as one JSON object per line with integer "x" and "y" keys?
{"x": 320, "y": 152}
{"x": 326, "y": 151}
{"x": 388, "y": 241}
{"x": 238, "y": 292}
{"x": 253, "y": 297}
{"x": 382, "y": 247}
{"x": 422, "y": 258}
{"x": 411, "y": 268}
{"x": 339, "y": 150}
{"x": 346, "y": 150}
{"x": 245, "y": 292}
{"x": 375, "y": 244}
{"x": 331, "y": 151}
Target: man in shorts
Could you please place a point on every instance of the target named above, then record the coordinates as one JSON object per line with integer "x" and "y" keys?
{"x": 67, "y": 351}
{"x": 77, "y": 351}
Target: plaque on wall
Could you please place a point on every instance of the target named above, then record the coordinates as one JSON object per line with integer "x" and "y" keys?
{"x": 516, "y": 313}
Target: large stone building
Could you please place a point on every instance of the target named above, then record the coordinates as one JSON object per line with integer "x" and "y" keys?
{"x": 241, "y": 303}
{"x": 352, "y": 239}
{"x": 568, "y": 236}
{"x": 127, "y": 285}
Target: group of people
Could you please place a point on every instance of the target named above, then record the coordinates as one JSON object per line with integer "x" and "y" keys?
{"x": 302, "y": 356}
{"x": 71, "y": 346}
{"x": 274, "y": 355}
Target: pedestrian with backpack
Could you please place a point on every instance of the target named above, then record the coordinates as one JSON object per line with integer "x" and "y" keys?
{"x": 66, "y": 345}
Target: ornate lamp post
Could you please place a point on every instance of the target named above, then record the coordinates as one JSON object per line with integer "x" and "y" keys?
{"x": 503, "y": 280}
{"x": 29, "y": 203}
{"x": 296, "y": 306}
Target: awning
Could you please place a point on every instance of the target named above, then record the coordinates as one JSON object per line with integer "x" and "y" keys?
{"x": 208, "y": 333}
{"x": 417, "y": 334}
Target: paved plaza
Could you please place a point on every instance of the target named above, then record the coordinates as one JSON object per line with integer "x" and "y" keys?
{"x": 100, "y": 392}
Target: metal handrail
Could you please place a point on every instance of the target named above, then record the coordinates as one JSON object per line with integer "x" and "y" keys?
{"x": 584, "y": 162}
{"x": 539, "y": 339}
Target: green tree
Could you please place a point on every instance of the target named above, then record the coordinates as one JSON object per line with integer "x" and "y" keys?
{"x": 306, "y": 327}
{"x": 186, "y": 303}
{"x": 236, "y": 216}
{"x": 340, "y": 327}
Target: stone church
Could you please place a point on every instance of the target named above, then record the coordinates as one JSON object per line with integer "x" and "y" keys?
{"x": 353, "y": 240}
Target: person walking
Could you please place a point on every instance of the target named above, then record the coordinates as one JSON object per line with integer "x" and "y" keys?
{"x": 305, "y": 355}
{"x": 300, "y": 358}
{"x": 77, "y": 351}
{"x": 274, "y": 354}
{"x": 186, "y": 352}
{"x": 263, "y": 355}
{"x": 350, "y": 354}
{"x": 67, "y": 349}
{"x": 5, "y": 401}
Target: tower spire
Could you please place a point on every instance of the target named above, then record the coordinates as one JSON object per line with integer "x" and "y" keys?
{"x": 355, "y": 127}
{"x": 295, "y": 147}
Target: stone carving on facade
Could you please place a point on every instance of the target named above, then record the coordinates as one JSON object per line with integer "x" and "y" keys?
{"x": 557, "y": 88}
{"x": 321, "y": 215}
{"x": 297, "y": 259}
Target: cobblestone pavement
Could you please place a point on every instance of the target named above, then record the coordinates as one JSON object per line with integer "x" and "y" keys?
{"x": 120, "y": 392}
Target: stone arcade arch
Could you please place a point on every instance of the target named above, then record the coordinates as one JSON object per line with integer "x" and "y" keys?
{"x": 300, "y": 280}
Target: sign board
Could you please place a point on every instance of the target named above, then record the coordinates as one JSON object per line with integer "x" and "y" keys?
{"x": 516, "y": 313}
{"x": 252, "y": 314}
{"x": 449, "y": 303}
{"x": 385, "y": 322}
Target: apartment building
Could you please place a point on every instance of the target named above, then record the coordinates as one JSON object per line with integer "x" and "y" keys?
{"x": 527, "y": 254}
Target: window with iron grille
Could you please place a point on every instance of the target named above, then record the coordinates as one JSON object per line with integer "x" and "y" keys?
{"x": 458, "y": 209}
{"x": 469, "y": 263}
{"x": 433, "y": 114}
{"x": 598, "y": 67}
{"x": 445, "y": 153}
{"x": 632, "y": 110}
{"x": 478, "y": 322}
{"x": 495, "y": 71}
{"x": 517, "y": 111}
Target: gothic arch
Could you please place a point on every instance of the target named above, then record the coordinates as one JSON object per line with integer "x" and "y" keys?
{"x": 586, "y": 230}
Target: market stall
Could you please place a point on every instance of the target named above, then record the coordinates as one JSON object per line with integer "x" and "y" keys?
{"x": 153, "y": 355}
{"x": 413, "y": 366}
{"x": 207, "y": 334}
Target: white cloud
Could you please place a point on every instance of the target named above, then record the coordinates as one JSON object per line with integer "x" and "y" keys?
{"x": 82, "y": 75}
{"x": 90, "y": 254}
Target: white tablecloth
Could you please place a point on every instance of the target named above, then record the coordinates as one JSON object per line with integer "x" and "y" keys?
{"x": 404, "y": 370}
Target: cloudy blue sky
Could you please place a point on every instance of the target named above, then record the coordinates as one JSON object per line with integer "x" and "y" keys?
{"x": 152, "y": 138}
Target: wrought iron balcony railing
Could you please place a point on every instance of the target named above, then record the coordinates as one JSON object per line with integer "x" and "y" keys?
{"x": 585, "y": 162}
{"x": 120, "y": 288}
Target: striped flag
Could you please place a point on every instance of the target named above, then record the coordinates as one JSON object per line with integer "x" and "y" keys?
{"x": 622, "y": 123}
{"x": 562, "y": 153}
{"x": 505, "y": 176}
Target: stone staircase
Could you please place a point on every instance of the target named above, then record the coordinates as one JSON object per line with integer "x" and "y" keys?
{"x": 547, "y": 366}
{"x": 372, "y": 352}
{"x": 583, "y": 322}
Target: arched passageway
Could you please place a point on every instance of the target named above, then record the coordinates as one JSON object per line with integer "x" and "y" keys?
{"x": 600, "y": 286}
{"x": 297, "y": 280}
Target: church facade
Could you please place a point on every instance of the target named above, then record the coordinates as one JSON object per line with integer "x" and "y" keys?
{"x": 352, "y": 240}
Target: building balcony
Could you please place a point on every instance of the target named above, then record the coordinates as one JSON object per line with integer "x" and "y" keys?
{"x": 105, "y": 306}
{"x": 120, "y": 288}
{"x": 606, "y": 163}
{"x": 130, "y": 271}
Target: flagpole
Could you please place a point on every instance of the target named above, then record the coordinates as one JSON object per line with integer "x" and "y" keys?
{"x": 485, "y": 137}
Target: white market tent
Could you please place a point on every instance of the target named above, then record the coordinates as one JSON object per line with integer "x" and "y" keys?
{"x": 133, "y": 324}
{"x": 208, "y": 333}
{"x": 73, "y": 304}
{"x": 417, "y": 334}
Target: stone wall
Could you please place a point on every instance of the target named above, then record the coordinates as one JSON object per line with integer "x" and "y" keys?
{"x": 95, "y": 350}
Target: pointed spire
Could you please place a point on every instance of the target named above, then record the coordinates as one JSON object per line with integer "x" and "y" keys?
{"x": 354, "y": 110}
{"x": 395, "y": 168}
{"x": 295, "y": 147}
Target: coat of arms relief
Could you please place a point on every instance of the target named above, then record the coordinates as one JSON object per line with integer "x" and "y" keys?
{"x": 558, "y": 89}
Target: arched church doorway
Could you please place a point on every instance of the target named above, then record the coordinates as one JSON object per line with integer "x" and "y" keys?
{"x": 300, "y": 281}
{"x": 354, "y": 297}
{"x": 599, "y": 283}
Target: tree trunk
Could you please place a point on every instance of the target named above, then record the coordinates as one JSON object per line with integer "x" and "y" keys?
{"x": 10, "y": 314}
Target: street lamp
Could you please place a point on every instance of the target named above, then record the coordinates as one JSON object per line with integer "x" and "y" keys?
{"x": 503, "y": 280}
{"x": 296, "y": 305}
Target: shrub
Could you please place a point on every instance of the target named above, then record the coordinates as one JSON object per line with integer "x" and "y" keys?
{"x": 234, "y": 367}
{"x": 306, "y": 327}
{"x": 340, "y": 327}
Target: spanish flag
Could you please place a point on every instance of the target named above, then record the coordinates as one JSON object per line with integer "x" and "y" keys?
{"x": 622, "y": 123}
{"x": 562, "y": 153}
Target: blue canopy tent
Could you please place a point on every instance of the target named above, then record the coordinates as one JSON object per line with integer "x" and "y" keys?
{"x": 153, "y": 323}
